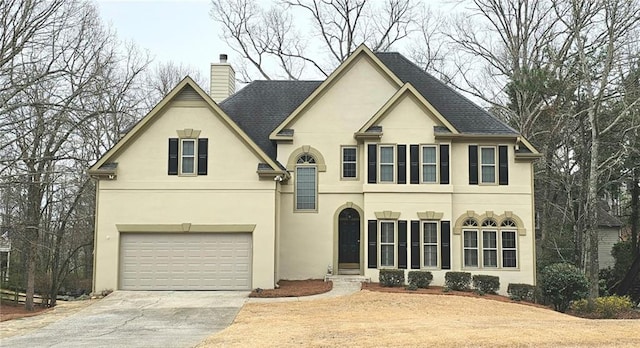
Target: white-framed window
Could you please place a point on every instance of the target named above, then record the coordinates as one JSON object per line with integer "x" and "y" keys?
{"x": 306, "y": 183}
{"x": 488, "y": 165}
{"x": 387, "y": 163}
{"x": 387, "y": 243}
{"x": 489, "y": 243}
{"x": 470, "y": 248}
{"x": 489, "y": 248}
{"x": 429, "y": 164}
{"x": 509, "y": 244}
{"x": 188, "y": 156}
{"x": 430, "y": 244}
{"x": 349, "y": 162}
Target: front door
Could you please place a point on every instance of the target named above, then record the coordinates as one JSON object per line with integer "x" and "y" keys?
{"x": 349, "y": 239}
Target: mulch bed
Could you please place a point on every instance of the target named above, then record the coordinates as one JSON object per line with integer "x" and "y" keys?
{"x": 294, "y": 288}
{"x": 11, "y": 310}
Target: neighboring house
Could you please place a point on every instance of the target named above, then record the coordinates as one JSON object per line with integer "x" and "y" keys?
{"x": 609, "y": 233}
{"x": 379, "y": 166}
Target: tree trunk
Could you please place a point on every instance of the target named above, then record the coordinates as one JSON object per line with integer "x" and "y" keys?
{"x": 635, "y": 211}
{"x": 593, "y": 266}
{"x": 31, "y": 275}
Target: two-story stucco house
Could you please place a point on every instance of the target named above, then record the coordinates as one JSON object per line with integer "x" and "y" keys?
{"x": 378, "y": 166}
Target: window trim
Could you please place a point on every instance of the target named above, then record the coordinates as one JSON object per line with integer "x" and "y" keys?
{"x": 295, "y": 186}
{"x": 392, "y": 164}
{"x": 181, "y": 156}
{"x": 342, "y": 163}
{"x": 436, "y": 163}
{"x": 423, "y": 244}
{"x": 394, "y": 245}
{"x": 482, "y": 165}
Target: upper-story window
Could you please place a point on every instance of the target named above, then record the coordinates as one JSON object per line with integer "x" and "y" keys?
{"x": 488, "y": 165}
{"x": 387, "y": 163}
{"x": 429, "y": 164}
{"x": 407, "y": 164}
{"x": 188, "y": 156}
{"x": 306, "y": 183}
{"x": 349, "y": 162}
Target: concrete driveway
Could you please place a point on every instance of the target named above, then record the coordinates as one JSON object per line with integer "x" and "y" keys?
{"x": 139, "y": 319}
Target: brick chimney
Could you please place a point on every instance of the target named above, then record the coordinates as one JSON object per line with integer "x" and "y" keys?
{"x": 223, "y": 80}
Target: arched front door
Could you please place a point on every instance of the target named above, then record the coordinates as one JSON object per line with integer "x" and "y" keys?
{"x": 348, "y": 241}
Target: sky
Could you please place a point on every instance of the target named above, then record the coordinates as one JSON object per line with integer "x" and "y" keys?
{"x": 179, "y": 31}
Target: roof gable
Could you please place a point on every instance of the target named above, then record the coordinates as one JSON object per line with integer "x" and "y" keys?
{"x": 362, "y": 50}
{"x": 187, "y": 89}
{"x": 406, "y": 91}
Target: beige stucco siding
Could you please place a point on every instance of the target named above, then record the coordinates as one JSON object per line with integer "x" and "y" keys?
{"x": 230, "y": 194}
{"x": 308, "y": 244}
{"x": 307, "y": 239}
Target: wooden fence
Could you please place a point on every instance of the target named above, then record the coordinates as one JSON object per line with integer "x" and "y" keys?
{"x": 18, "y": 297}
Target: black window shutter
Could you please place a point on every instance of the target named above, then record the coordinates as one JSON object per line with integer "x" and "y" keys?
{"x": 173, "y": 156}
{"x": 445, "y": 244}
{"x": 414, "y": 159}
{"x": 372, "y": 243}
{"x": 203, "y": 150}
{"x": 473, "y": 164}
{"x": 402, "y": 164}
{"x": 372, "y": 154}
{"x": 444, "y": 164}
{"x": 503, "y": 167}
{"x": 415, "y": 244}
{"x": 402, "y": 244}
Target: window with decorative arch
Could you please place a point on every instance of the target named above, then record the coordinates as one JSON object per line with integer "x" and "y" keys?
{"x": 306, "y": 183}
{"x": 490, "y": 244}
{"x": 470, "y": 242}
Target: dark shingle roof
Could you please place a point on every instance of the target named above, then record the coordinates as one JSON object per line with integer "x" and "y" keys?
{"x": 605, "y": 218}
{"x": 464, "y": 115}
{"x": 261, "y": 106}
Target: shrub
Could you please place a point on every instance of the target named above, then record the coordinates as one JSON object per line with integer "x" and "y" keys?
{"x": 562, "y": 283}
{"x": 421, "y": 279}
{"x": 391, "y": 277}
{"x": 521, "y": 292}
{"x": 603, "y": 307}
{"x": 457, "y": 280}
{"x": 411, "y": 287}
{"x": 486, "y": 284}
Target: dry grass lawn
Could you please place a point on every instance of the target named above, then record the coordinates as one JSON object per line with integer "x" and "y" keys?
{"x": 375, "y": 319}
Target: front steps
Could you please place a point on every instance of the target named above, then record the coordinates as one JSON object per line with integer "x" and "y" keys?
{"x": 352, "y": 278}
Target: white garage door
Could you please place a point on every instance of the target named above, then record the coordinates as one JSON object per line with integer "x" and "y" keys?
{"x": 185, "y": 261}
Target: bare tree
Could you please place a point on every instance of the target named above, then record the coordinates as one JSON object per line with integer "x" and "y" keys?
{"x": 66, "y": 82}
{"x": 271, "y": 44}
{"x": 164, "y": 76}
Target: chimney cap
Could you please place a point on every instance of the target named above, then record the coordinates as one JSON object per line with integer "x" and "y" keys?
{"x": 223, "y": 58}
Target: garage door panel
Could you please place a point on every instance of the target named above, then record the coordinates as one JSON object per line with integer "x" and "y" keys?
{"x": 185, "y": 261}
